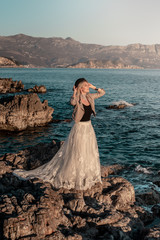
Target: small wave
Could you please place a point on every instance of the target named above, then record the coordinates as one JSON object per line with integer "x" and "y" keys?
{"x": 120, "y": 105}
{"x": 139, "y": 168}
{"x": 122, "y": 102}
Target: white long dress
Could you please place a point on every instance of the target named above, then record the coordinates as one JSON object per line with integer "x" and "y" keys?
{"x": 75, "y": 165}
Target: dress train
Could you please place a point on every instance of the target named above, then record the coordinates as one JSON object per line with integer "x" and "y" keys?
{"x": 75, "y": 165}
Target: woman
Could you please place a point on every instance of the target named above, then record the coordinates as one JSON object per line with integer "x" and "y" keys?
{"x": 76, "y": 164}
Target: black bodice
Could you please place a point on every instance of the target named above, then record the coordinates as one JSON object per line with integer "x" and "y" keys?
{"x": 87, "y": 113}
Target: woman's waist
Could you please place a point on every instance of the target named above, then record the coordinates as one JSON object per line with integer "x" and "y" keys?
{"x": 84, "y": 122}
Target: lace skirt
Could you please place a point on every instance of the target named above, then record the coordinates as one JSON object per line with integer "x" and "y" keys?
{"x": 75, "y": 165}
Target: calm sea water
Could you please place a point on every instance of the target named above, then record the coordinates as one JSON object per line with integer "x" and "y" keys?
{"x": 130, "y": 136}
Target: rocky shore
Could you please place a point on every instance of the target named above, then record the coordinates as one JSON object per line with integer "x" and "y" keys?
{"x": 24, "y": 111}
{"x": 103, "y": 64}
{"x": 7, "y": 85}
{"x": 6, "y": 62}
{"x": 33, "y": 209}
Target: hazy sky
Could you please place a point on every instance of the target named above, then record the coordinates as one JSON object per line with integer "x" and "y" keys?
{"x": 106, "y": 22}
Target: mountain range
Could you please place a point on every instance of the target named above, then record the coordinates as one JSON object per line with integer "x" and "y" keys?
{"x": 28, "y": 51}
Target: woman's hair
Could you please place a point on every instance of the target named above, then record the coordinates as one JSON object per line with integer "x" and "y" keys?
{"x": 79, "y": 83}
{"x": 79, "y": 80}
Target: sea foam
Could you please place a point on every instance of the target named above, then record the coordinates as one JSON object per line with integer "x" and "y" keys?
{"x": 122, "y": 102}
{"x": 139, "y": 168}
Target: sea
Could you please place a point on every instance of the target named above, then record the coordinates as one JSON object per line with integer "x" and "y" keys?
{"x": 129, "y": 136}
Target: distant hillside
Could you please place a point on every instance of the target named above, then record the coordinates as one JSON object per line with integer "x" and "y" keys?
{"x": 68, "y": 53}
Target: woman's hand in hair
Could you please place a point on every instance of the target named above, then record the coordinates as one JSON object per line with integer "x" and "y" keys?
{"x": 74, "y": 89}
{"x": 74, "y": 92}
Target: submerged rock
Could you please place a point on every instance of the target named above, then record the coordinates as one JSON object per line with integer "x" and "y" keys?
{"x": 23, "y": 111}
{"x": 62, "y": 120}
{"x": 153, "y": 233}
{"x": 38, "y": 89}
{"x": 148, "y": 197}
{"x": 7, "y": 85}
{"x": 139, "y": 168}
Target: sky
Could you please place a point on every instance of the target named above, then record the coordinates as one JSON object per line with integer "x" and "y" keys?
{"x": 104, "y": 22}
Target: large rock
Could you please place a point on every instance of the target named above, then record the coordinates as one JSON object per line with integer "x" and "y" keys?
{"x": 7, "y": 85}
{"x": 24, "y": 111}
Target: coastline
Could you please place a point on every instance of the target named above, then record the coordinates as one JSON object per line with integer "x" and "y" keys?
{"x": 111, "y": 128}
